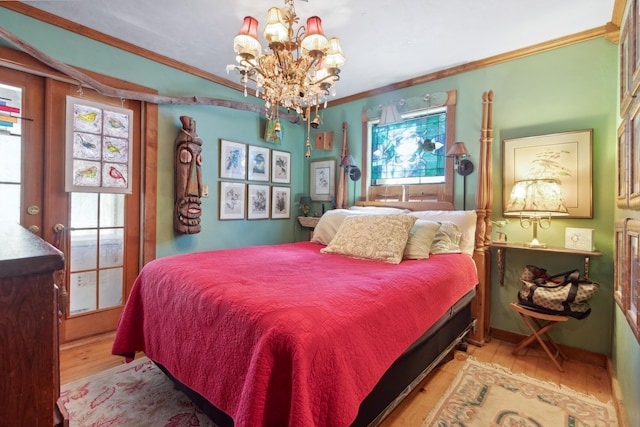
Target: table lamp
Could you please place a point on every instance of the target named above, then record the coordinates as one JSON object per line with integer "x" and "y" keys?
{"x": 536, "y": 200}
{"x": 305, "y": 205}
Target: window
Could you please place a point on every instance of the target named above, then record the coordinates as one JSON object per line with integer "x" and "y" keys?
{"x": 11, "y": 144}
{"x": 96, "y": 251}
{"x": 406, "y": 161}
{"x": 411, "y": 151}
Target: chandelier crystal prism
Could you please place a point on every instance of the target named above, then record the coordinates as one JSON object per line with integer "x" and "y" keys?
{"x": 300, "y": 68}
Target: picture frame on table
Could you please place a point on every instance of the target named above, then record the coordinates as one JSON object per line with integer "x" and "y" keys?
{"x": 280, "y": 202}
{"x": 258, "y": 201}
{"x": 565, "y": 157}
{"x": 258, "y": 163}
{"x": 233, "y": 160}
{"x": 322, "y": 179}
{"x": 280, "y": 167}
{"x": 232, "y": 200}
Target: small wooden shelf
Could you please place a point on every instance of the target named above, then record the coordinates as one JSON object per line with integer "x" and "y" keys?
{"x": 308, "y": 221}
{"x": 502, "y": 254}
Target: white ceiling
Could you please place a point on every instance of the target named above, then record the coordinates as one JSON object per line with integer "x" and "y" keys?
{"x": 384, "y": 41}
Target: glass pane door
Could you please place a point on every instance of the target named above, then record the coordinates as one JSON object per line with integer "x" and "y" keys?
{"x": 11, "y": 149}
{"x": 96, "y": 252}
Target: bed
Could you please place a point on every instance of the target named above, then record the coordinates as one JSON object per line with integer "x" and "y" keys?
{"x": 313, "y": 333}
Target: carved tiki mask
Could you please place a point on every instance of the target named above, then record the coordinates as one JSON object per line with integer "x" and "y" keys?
{"x": 188, "y": 178}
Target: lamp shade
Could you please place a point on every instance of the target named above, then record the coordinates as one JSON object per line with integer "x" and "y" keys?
{"x": 458, "y": 150}
{"x": 275, "y": 31}
{"x": 305, "y": 200}
{"x": 335, "y": 57}
{"x": 314, "y": 43}
{"x": 537, "y": 196}
{"x": 389, "y": 115}
{"x": 246, "y": 41}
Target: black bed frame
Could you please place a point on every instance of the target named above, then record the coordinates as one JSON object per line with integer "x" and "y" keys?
{"x": 399, "y": 380}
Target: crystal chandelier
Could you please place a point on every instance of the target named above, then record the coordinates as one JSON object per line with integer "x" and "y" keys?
{"x": 299, "y": 70}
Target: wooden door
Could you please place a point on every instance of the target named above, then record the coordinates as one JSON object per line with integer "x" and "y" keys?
{"x": 98, "y": 232}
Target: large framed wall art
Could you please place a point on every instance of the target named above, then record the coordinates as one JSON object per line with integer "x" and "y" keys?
{"x": 98, "y": 147}
{"x": 564, "y": 156}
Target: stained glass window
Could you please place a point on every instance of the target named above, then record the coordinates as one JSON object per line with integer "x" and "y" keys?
{"x": 411, "y": 151}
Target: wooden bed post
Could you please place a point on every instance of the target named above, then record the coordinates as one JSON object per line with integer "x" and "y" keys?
{"x": 481, "y": 308}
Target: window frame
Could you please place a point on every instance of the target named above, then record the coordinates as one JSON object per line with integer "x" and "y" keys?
{"x": 410, "y": 192}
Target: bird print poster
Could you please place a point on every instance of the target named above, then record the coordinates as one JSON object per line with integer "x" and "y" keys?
{"x": 98, "y": 149}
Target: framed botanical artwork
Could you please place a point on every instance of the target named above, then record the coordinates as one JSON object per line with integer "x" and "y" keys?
{"x": 233, "y": 160}
{"x": 633, "y": 157}
{"x": 280, "y": 167}
{"x": 98, "y": 147}
{"x": 280, "y": 202}
{"x": 258, "y": 163}
{"x": 631, "y": 283}
{"x": 622, "y": 198}
{"x": 564, "y": 157}
{"x": 633, "y": 20}
{"x": 232, "y": 198}
{"x": 258, "y": 201}
{"x": 273, "y": 132}
{"x": 620, "y": 266}
{"x": 322, "y": 179}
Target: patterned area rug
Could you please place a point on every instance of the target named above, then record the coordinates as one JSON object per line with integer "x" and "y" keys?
{"x": 489, "y": 395}
{"x": 134, "y": 394}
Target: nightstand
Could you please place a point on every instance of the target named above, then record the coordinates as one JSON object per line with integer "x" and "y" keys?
{"x": 309, "y": 222}
{"x": 502, "y": 255}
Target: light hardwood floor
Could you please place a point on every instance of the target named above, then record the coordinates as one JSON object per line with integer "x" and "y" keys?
{"x": 90, "y": 356}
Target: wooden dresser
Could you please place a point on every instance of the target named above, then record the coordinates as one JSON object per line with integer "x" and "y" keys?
{"x": 29, "y": 363}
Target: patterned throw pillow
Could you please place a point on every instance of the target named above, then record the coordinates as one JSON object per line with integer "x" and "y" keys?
{"x": 420, "y": 239}
{"x": 447, "y": 240}
{"x": 376, "y": 237}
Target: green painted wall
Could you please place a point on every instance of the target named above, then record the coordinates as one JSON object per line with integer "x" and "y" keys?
{"x": 556, "y": 91}
{"x": 566, "y": 89}
{"x": 213, "y": 123}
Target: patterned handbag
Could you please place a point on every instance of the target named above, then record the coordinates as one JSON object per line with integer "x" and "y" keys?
{"x": 564, "y": 293}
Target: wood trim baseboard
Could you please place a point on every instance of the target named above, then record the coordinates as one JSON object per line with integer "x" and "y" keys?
{"x": 573, "y": 353}
{"x": 617, "y": 396}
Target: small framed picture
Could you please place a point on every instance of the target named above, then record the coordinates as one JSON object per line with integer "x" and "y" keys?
{"x": 258, "y": 199}
{"x": 280, "y": 167}
{"x": 258, "y": 163}
{"x": 322, "y": 179}
{"x": 280, "y": 202}
{"x": 233, "y": 156}
{"x": 232, "y": 197}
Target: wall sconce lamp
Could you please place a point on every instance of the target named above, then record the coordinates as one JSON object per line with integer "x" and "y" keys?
{"x": 354, "y": 174}
{"x": 461, "y": 165}
{"x": 536, "y": 200}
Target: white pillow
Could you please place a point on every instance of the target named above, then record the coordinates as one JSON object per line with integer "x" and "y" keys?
{"x": 372, "y": 237}
{"x": 420, "y": 239}
{"x": 379, "y": 209}
{"x": 465, "y": 220}
{"x": 328, "y": 225}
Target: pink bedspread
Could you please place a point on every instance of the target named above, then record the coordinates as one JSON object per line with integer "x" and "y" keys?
{"x": 284, "y": 335}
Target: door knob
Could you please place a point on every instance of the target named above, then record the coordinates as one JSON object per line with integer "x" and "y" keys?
{"x": 34, "y": 229}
